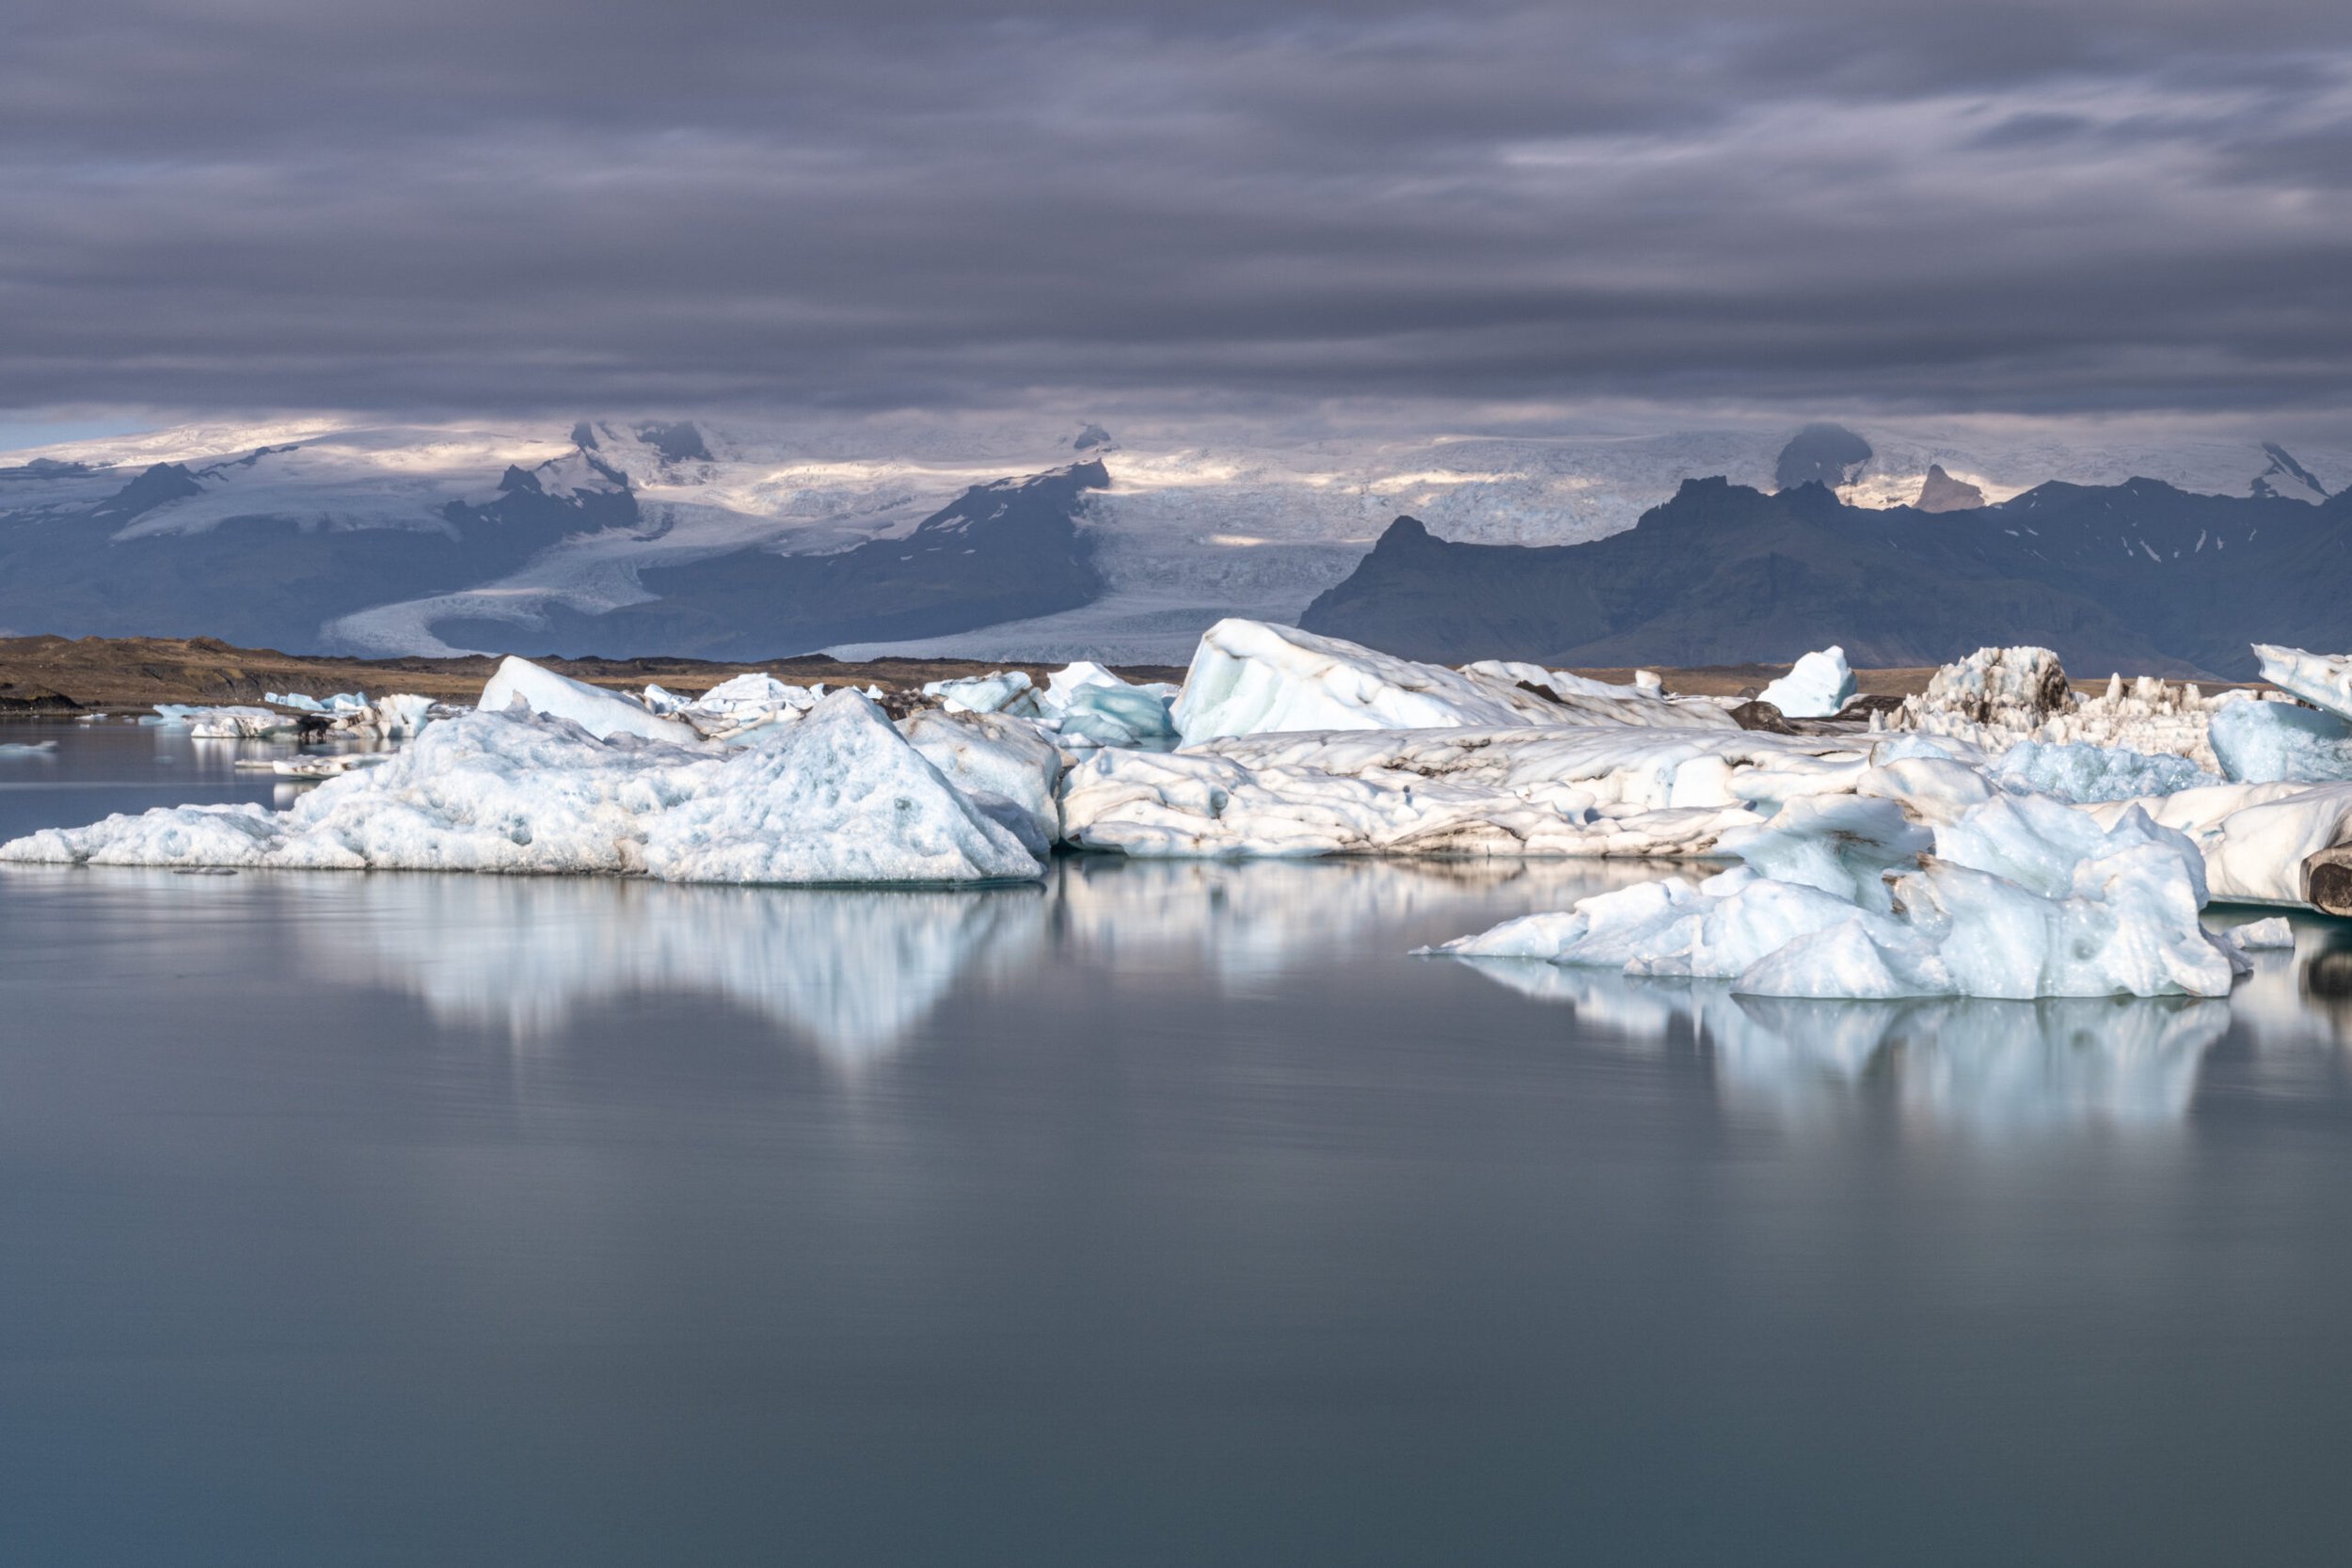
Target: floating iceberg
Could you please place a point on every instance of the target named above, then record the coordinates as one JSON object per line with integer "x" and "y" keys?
{"x": 1008, "y": 766}
{"x": 999, "y": 692}
{"x": 2023, "y": 898}
{"x": 1250, "y": 677}
{"x": 601, "y": 713}
{"x": 2259, "y": 742}
{"x": 840, "y": 797}
{"x": 1590, "y": 790}
{"x": 1818, "y": 686}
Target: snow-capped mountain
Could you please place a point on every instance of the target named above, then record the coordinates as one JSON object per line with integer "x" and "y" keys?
{"x": 317, "y": 534}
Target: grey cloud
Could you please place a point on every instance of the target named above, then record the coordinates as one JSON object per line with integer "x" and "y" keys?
{"x": 527, "y": 206}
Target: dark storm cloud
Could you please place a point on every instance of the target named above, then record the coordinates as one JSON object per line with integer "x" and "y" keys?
{"x": 2113, "y": 204}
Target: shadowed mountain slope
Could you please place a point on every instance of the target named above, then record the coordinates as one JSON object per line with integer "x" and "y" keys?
{"x": 2137, "y": 577}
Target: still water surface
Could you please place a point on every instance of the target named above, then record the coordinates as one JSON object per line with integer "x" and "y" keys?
{"x": 1168, "y": 1214}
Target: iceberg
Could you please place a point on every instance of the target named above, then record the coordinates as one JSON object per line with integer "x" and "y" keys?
{"x": 1589, "y": 790}
{"x": 2324, "y": 680}
{"x": 1252, "y": 677}
{"x": 999, "y": 691}
{"x": 2260, "y": 742}
{"x": 1009, "y": 768}
{"x": 601, "y": 713}
{"x": 840, "y": 797}
{"x": 1818, "y": 686}
{"x": 1574, "y": 699}
{"x": 2023, "y": 898}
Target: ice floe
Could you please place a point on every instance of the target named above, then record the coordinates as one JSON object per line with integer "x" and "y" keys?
{"x": 840, "y": 797}
{"x": 1818, "y": 686}
{"x": 2023, "y": 898}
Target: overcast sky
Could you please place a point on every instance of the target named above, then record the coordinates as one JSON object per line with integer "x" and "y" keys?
{"x": 513, "y": 206}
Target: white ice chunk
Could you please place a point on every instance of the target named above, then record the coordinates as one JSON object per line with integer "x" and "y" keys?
{"x": 2324, "y": 679}
{"x": 1818, "y": 686}
{"x": 601, "y": 713}
{"x": 999, "y": 691}
{"x": 1008, "y": 766}
{"x": 840, "y": 797}
{"x": 2258, "y": 742}
{"x": 401, "y": 715}
{"x": 2098, "y": 912}
{"x": 1592, "y": 790}
{"x": 1932, "y": 789}
{"x": 2257, "y": 936}
{"x": 1842, "y": 844}
{"x": 1249, "y": 677}
{"x": 2084, "y": 773}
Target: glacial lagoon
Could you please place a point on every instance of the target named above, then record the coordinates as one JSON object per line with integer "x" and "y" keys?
{"x": 1168, "y": 1214}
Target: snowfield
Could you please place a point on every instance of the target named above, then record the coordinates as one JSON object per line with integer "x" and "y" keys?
{"x": 1999, "y": 836}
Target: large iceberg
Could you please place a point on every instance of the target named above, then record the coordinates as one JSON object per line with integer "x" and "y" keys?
{"x": 1818, "y": 686}
{"x": 601, "y": 713}
{"x": 1588, "y": 790}
{"x": 840, "y": 797}
{"x": 2023, "y": 898}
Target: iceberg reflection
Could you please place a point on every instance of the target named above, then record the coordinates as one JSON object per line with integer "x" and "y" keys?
{"x": 854, "y": 971}
{"x": 1965, "y": 1063}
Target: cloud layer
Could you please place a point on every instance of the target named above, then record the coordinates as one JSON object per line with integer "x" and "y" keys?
{"x": 2113, "y": 205}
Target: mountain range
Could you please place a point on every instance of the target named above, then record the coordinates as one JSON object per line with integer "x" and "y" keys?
{"x": 1007, "y": 538}
{"x": 2140, "y": 578}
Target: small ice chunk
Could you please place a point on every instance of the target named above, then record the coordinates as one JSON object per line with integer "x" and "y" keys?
{"x": 2261, "y": 935}
{"x": 1818, "y": 686}
{"x": 999, "y": 691}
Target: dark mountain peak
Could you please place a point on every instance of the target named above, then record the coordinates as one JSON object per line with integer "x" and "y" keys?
{"x": 1094, "y": 436}
{"x": 1403, "y": 534}
{"x": 520, "y": 482}
{"x": 677, "y": 443}
{"x": 162, "y": 482}
{"x": 585, "y": 436}
{"x": 1813, "y": 499}
{"x": 1087, "y": 476}
{"x": 1830, "y": 453}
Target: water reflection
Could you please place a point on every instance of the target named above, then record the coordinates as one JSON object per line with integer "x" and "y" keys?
{"x": 1984, "y": 1066}
{"x": 854, "y": 971}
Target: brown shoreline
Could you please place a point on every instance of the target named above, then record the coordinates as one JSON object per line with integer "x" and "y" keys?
{"x": 48, "y": 676}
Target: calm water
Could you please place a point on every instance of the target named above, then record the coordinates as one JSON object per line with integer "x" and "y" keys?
{"x": 1170, "y": 1214}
